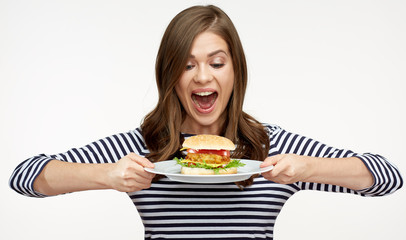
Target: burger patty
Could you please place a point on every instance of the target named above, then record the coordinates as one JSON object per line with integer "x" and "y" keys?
{"x": 207, "y": 158}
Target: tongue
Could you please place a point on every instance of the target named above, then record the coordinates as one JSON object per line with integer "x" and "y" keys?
{"x": 205, "y": 102}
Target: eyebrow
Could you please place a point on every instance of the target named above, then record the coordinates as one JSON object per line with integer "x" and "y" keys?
{"x": 212, "y": 53}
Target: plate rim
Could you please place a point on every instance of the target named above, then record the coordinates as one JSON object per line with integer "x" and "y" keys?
{"x": 221, "y": 176}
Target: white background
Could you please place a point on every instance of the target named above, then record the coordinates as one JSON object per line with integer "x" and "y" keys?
{"x": 72, "y": 72}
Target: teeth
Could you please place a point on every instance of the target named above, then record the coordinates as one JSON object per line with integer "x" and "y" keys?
{"x": 204, "y": 93}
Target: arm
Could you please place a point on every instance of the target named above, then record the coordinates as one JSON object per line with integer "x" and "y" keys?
{"x": 348, "y": 172}
{"x": 312, "y": 165}
{"x": 127, "y": 175}
{"x": 94, "y": 166}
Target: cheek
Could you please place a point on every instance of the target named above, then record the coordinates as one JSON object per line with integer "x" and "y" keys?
{"x": 229, "y": 78}
{"x": 180, "y": 89}
{"x": 229, "y": 85}
{"x": 179, "y": 93}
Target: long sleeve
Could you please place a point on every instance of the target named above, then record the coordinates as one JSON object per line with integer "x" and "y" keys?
{"x": 387, "y": 178}
{"x": 107, "y": 150}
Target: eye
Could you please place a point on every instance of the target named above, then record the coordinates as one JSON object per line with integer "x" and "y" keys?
{"x": 217, "y": 65}
{"x": 189, "y": 67}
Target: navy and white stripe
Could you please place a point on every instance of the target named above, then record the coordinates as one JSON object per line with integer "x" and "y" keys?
{"x": 173, "y": 210}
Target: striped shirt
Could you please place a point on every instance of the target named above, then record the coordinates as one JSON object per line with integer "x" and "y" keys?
{"x": 174, "y": 210}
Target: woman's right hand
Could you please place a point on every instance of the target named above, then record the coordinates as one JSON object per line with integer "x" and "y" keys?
{"x": 128, "y": 174}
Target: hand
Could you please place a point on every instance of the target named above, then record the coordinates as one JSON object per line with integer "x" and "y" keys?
{"x": 288, "y": 168}
{"x": 128, "y": 174}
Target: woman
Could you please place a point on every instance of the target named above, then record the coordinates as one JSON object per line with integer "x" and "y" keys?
{"x": 201, "y": 76}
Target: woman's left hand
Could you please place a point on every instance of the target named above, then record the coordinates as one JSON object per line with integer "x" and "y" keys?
{"x": 288, "y": 168}
{"x": 348, "y": 172}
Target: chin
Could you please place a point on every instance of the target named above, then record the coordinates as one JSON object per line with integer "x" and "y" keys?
{"x": 196, "y": 122}
{"x": 207, "y": 121}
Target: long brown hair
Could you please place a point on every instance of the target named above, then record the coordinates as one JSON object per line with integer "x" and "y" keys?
{"x": 161, "y": 127}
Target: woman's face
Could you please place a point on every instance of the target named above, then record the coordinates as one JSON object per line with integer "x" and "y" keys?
{"x": 206, "y": 84}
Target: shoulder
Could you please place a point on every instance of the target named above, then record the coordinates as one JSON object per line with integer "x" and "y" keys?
{"x": 137, "y": 133}
{"x": 135, "y": 139}
{"x": 272, "y": 129}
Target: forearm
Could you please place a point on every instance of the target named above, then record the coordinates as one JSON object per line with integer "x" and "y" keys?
{"x": 371, "y": 173}
{"x": 59, "y": 177}
{"x": 346, "y": 172}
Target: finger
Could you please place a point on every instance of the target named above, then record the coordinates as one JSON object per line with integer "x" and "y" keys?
{"x": 140, "y": 171}
{"x": 133, "y": 185}
{"x": 137, "y": 182}
{"x": 275, "y": 172}
{"x": 131, "y": 169}
{"x": 270, "y": 161}
{"x": 146, "y": 175}
{"x": 279, "y": 169}
{"x": 141, "y": 160}
{"x": 143, "y": 180}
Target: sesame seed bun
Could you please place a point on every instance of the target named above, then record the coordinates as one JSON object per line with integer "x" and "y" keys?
{"x": 212, "y": 142}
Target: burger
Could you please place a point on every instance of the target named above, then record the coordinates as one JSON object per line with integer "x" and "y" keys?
{"x": 208, "y": 155}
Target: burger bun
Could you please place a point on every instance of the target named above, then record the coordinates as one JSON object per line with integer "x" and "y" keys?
{"x": 204, "y": 171}
{"x": 209, "y": 142}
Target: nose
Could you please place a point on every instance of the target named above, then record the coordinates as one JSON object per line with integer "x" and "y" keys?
{"x": 203, "y": 75}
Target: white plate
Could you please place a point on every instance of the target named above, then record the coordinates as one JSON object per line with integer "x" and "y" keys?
{"x": 172, "y": 170}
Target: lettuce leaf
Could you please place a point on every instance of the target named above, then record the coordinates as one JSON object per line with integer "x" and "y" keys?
{"x": 233, "y": 163}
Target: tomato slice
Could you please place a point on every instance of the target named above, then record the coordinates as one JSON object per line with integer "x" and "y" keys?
{"x": 210, "y": 151}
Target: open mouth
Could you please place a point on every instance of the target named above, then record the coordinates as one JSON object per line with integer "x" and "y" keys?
{"x": 204, "y": 101}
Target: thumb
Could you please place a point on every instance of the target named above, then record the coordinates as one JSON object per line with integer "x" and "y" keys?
{"x": 270, "y": 161}
{"x": 141, "y": 160}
